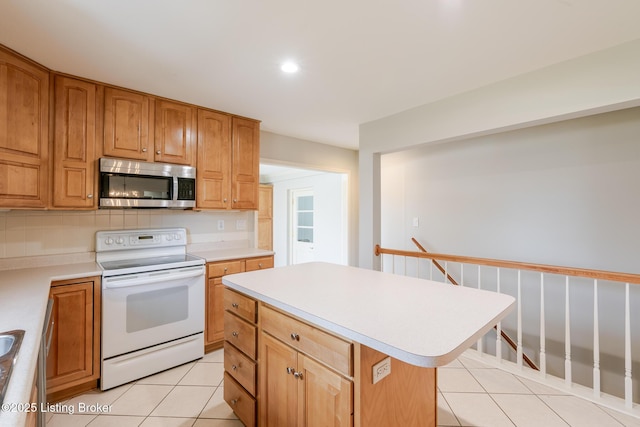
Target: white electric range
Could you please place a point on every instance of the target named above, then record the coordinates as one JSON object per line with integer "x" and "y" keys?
{"x": 152, "y": 303}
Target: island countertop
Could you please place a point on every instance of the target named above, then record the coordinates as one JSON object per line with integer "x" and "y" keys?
{"x": 418, "y": 321}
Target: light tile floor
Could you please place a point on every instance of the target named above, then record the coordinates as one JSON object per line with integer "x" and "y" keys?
{"x": 470, "y": 394}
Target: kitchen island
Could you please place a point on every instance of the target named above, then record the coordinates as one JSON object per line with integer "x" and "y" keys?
{"x": 354, "y": 346}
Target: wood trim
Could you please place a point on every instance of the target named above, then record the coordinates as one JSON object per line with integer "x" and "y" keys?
{"x": 542, "y": 268}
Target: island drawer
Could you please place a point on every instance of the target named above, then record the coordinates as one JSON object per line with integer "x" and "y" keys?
{"x": 219, "y": 269}
{"x": 242, "y": 403}
{"x": 240, "y": 333}
{"x": 325, "y": 347}
{"x": 259, "y": 263}
{"x": 240, "y": 367}
{"x": 240, "y": 305}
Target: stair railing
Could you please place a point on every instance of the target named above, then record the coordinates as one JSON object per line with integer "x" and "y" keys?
{"x": 556, "y": 273}
{"x": 504, "y": 335}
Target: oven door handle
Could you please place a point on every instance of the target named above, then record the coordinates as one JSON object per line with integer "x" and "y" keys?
{"x": 153, "y": 277}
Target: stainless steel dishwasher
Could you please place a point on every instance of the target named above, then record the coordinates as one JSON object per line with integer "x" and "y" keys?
{"x": 45, "y": 343}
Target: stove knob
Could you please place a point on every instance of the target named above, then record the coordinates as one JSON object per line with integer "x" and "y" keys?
{"x": 169, "y": 237}
{"x": 109, "y": 241}
{"x": 176, "y": 236}
{"x": 119, "y": 240}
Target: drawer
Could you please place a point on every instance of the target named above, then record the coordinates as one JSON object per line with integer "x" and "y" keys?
{"x": 240, "y": 367}
{"x": 240, "y": 305}
{"x": 259, "y": 263}
{"x": 242, "y": 403}
{"x": 241, "y": 334}
{"x": 333, "y": 351}
{"x": 219, "y": 269}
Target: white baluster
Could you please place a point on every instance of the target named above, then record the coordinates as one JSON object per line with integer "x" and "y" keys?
{"x": 404, "y": 265}
{"x": 480, "y": 346}
{"x": 499, "y": 325}
{"x": 393, "y": 264}
{"x": 543, "y": 351}
{"x": 596, "y": 342}
{"x": 567, "y": 336}
{"x": 461, "y": 274}
{"x": 628, "y": 389}
{"x": 519, "y": 338}
{"x": 430, "y": 268}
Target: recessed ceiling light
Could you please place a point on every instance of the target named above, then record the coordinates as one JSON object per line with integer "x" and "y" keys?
{"x": 289, "y": 67}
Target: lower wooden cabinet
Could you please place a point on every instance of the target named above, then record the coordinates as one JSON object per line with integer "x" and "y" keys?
{"x": 73, "y": 363}
{"x": 295, "y": 390}
{"x": 214, "y": 308}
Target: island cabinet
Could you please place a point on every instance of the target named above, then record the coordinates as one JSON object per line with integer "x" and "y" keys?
{"x": 240, "y": 354}
{"x": 306, "y": 375}
{"x": 74, "y": 143}
{"x": 24, "y": 132}
{"x": 73, "y": 362}
{"x": 214, "y": 295}
{"x": 340, "y": 345}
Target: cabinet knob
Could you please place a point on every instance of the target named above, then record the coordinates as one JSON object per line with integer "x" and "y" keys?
{"x": 235, "y": 334}
{"x": 291, "y": 370}
{"x": 144, "y": 150}
{"x": 224, "y": 200}
{"x": 158, "y": 152}
{"x": 89, "y": 196}
{"x": 297, "y": 375}
{"x": 234, "y": 305}
{"x": 235, "y": 200}
{"x": 295, "y": 336}
{"x": 225, "y": 269}
{"x": 260, "y": 265}
{"x": 234, "y": 402}
{"x": 234, "y": 367}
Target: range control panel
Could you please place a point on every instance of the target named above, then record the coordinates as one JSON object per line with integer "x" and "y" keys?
{"x": 141, "y": 238}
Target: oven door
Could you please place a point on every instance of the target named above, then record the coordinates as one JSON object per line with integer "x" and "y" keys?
{"x": 146, "y": 309}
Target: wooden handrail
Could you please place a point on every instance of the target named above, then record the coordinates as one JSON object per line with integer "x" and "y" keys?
{"x": 543, "y": 268}
{"x": 503, "y": 334}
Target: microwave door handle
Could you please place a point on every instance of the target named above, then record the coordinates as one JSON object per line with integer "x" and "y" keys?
{"x": 155, "y": 277}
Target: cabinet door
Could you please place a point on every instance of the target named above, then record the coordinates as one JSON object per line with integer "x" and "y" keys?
{"x": 24, "y": 131}
{"x": 265, "y": 217}
{"x": 215, "y": 312}
{"x": 175, "y": 133}
{"x": 126, "y": 125}
{"x": 278, "y": 387}
{"x": 246, "y": 163}
{"x": 214, "y": 160}
{"x": 74, "y": 143}
{"x": 71, "y": 355}
{"x": 324, "y": 397}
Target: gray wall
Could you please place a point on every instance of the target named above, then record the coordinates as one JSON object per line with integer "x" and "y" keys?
{"x": 561, "y": 194}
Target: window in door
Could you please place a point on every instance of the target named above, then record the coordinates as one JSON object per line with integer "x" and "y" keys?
{"x": 303, "y": 226}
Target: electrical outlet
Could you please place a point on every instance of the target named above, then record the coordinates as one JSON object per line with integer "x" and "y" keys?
{"x": 381, "y": 369}
{"x": 416, "y": 221}
{"x": 220, "y": 224}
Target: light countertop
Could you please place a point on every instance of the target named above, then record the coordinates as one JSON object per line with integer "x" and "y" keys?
{"x": 23, "y": 301}
{"x": 421, "y": 322}
{"x": 213, "y": 255}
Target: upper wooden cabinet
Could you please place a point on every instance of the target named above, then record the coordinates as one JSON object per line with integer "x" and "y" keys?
{"x": 228, "y": 161}
{"x": 214, "y": 164}
{"x": 74, "y": 144}
{"x": 245, "y": 173}
{"x": 127, "y": 125}
{"x": 175, "y": 133}
{"x": 24, "y": 129}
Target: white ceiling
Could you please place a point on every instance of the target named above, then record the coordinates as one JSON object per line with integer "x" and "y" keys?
{"x": 360, "y": 59}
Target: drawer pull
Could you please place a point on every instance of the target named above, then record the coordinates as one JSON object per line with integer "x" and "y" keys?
{"x": 235, "y": 334}
{"x": 297, "y": 375}
{"x": 295, "y": 336}
{"x": 260, "y": 265}
{"x": 234, "y": 367}
{"x": 235, "y": 305}
{"x": 234, "y": 402}
{"x": 290, "y": 370}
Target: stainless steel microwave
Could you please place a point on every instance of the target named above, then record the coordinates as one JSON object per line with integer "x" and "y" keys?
{"x": 132, "y": 184}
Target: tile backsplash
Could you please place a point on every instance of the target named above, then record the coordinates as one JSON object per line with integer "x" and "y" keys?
{"x": 38, "y": 233}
